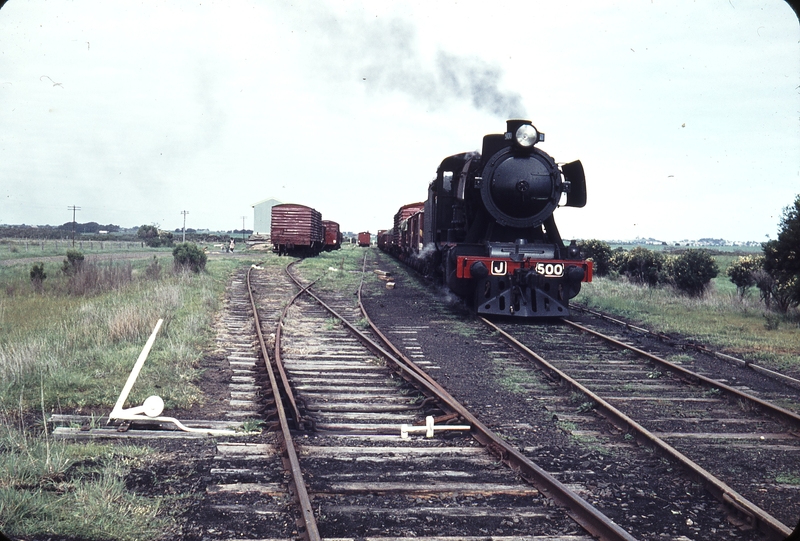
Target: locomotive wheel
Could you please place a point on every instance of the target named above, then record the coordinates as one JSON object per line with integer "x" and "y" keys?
{"x": 572, "y": 290}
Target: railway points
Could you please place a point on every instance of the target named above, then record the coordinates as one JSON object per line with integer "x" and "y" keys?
{"x": 362, "y": 472}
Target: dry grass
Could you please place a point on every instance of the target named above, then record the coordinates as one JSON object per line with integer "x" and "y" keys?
{"x": 85, "y": 345}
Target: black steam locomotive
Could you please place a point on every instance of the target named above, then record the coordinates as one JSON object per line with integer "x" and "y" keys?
{"x": 487, "y": 227}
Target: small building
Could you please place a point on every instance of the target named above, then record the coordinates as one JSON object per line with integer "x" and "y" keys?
{"x": 262, "y": 216}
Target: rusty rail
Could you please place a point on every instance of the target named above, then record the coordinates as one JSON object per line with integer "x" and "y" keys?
{"x": 589, "y": 517}
{"x": 741, "y": 363}
{"x": 308, "y": 529}
{"x": 759, "y": 518}
{"x": 776, "y": 411}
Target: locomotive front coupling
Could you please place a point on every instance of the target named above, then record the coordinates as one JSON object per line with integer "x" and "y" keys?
{"x": 527, "y": 288}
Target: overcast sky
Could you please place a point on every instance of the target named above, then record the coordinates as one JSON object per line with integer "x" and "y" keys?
{"x": 685, "y": 115}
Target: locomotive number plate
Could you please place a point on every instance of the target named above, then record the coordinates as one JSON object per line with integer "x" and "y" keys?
{"x": 499, "y": 268}
{"x": 550, "y": 269}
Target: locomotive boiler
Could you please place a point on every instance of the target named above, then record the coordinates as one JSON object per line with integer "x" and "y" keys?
{"x": 488, "y": 226}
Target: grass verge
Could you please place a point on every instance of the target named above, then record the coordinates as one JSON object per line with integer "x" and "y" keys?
{"x": 339, "y": 270}
{"x": 737, "y": 326}
{"x": 65, "y": 352}
{"x": 53, "y": 487}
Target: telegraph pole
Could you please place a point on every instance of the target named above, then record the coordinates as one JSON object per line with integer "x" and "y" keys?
{"x": 184, "y": 212}
{"x": 243, "y": 217}
{"x": 73, "y": 208}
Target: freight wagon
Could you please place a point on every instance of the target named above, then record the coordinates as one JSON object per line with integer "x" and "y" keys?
{"x": 364, "y": 239}
{"x": 333, "y": 235}
{"x": 296, "y": 230}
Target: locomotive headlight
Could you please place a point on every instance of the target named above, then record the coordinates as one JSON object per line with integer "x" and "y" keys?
{"x": 527, "y": 136}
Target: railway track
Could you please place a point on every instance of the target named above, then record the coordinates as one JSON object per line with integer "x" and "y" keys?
{"x": 355, "y": 447}
{"x": 737, "y": 445}
{"x": 646, "y": 492}
{"x": 369, "y": 476}
{"x": 361, "y": 479}
{"x": 238, "y": 482}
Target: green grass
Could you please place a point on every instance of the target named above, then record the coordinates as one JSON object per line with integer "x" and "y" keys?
{"x": 513, "y": 379}
{"x": 336, "y": 271}
{"x": 83, "y": 347}
{"x": 788, "y": 478}
{"x": 69, "y": 353}
{"x": 720, "y": 319}
{"x": 49, "y": 487}
{"x": 32, "y": 248}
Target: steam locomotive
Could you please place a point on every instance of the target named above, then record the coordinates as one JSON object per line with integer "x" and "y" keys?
{"x": 487, "y": 228}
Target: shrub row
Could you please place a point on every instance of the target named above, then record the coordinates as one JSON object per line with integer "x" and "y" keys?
{"x": 690, "y": 272}
{"x": 83, "y": 278}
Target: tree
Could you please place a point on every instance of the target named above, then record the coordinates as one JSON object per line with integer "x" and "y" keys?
{"x": 742, "y": 272}
{"x": 782, "y": 258}
{"x": 149, "y": 234}
{"x": 165, "y": 238}
{"x": 154, "y": 237}
{"x": 600, "y": 252}
{"x": 692, "y": 271}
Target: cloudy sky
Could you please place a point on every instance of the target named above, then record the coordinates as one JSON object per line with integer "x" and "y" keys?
{"x": 685, "y": 115}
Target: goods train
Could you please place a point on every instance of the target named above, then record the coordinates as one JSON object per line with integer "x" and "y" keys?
{"x": 300, "y": 230}
{"x": 487, "y": 228}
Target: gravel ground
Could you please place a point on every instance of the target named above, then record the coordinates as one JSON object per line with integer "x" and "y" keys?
{"x": 639, "y": 490}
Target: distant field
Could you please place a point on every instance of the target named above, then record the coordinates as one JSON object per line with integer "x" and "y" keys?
{"x": 672, "y": 248}
{"x": 24, "y": 251}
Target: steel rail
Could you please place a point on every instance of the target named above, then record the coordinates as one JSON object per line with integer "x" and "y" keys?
{"x": 277, "y": 350}
{"x": 741, "y": 363}
{"x": 585, "y": 514}
{"x": 777, "y": 411}
{"x": 758, "y": 518}
{"x": 308, "y": 529}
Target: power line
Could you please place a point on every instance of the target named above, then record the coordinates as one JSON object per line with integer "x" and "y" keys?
{"x": 73, "y": 208}
{"x": 184, "y": 212}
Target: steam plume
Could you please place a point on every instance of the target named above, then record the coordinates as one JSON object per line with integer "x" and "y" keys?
{"x": 383, "y": 53}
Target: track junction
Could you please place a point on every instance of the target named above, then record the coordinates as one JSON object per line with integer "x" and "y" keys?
{"x": 332, "y": 462}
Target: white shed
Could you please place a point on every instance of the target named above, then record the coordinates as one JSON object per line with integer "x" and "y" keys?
{"x": 262, "y": 216}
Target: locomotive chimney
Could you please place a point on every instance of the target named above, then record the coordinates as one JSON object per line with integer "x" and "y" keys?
{"x": 513, "y": 125}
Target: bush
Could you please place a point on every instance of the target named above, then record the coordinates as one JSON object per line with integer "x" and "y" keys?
{"x": 640, "y": 265}
{"x": 37, "y": 276}
{"x": 600, "y": 252}
{"x": 73, "y": 263}
{"x": 742, "y": 272}
{"x": 692, "y": 271}
{"x": 188, "y": 256}
{"x": 773, "y": 289}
